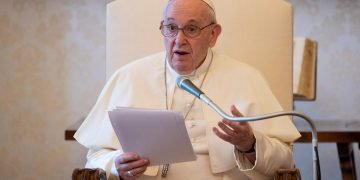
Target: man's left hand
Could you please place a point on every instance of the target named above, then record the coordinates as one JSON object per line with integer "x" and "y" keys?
{"x": 239, "y": 134}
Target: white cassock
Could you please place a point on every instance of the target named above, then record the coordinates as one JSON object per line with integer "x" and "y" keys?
{"x": 226, "y": 81}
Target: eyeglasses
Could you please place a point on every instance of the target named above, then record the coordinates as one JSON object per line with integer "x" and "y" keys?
{"x": 190, "y": 31}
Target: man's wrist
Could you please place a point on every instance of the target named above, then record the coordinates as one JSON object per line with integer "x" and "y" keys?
{"x": 251, "y": 150}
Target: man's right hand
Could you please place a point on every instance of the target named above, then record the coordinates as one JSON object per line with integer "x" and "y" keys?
{"x": 130, "y": 165}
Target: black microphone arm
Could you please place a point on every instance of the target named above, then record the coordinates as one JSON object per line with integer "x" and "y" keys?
{"x": 185, "y": 84}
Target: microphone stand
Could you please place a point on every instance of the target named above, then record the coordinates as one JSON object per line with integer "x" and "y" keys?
{"x": 188, "y": 86}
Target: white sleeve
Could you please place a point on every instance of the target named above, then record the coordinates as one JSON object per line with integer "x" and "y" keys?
{"x": 104, "y": 159}
{"x": 271, "y": 155}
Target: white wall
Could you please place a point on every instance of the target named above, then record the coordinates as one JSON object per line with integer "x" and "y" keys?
{"x": 335, "y": 24}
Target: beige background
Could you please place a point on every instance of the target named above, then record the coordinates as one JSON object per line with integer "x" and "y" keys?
{"x": 52, "y": 67}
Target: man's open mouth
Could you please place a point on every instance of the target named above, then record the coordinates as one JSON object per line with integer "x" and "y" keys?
{"x": 181, "y": 52}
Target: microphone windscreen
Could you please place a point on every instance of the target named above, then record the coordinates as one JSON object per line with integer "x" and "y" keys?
{"x": 185, "y": 84}
{"x": 179, "y": 80}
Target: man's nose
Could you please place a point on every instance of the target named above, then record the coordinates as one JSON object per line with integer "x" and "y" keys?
{"x": 180, "y": 38}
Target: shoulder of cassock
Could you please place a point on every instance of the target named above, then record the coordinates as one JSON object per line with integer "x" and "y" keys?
{"x": 96, "y": 130}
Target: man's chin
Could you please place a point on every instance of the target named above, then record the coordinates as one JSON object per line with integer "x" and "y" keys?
{"x": 183, "y": 71}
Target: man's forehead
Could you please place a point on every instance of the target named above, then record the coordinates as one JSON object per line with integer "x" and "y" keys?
{"x": 190, "y": 21}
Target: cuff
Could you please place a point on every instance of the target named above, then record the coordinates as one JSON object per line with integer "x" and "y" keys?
{"x": 242, "y": 162}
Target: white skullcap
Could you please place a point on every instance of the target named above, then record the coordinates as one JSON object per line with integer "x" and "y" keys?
{"x": 210, "y": 4}
{"x": 207, "y": 2}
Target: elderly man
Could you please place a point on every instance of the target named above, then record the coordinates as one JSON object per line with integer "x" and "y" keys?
{"x": 224, "y": 149}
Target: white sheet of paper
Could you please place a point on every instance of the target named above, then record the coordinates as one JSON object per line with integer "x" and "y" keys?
{"x": 159, "y": 135}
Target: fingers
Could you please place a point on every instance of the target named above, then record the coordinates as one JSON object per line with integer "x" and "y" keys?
{"x": 243, "y": 139}
{"x": 227, "y": 127}
{"x": 132, "y": 170}
{"x": 236, "y": 133}
{"x": 236, "y": 127}
{"x": 130, "y": 165}
{"x": 133, "y": 165}
{"x": 134, "y": 173}
{"x": 221, "y": 135}
{"x": 235, "y": 112}
{"x": 234, "y": 124}
{"x": 126, "y": 157}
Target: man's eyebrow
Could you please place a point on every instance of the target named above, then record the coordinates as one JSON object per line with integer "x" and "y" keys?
{"x": 191, "y": 21}
{"x": 170, "y": 18}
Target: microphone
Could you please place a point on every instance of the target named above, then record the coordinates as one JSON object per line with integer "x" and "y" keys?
{"x": 185, "y": 84}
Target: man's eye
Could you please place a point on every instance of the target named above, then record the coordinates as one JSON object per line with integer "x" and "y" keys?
{"x": 191, "y": 29}
{"x": 172, "y": 27}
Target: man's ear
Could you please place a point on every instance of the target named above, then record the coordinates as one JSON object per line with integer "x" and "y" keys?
{"x": 215, "y": 33}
